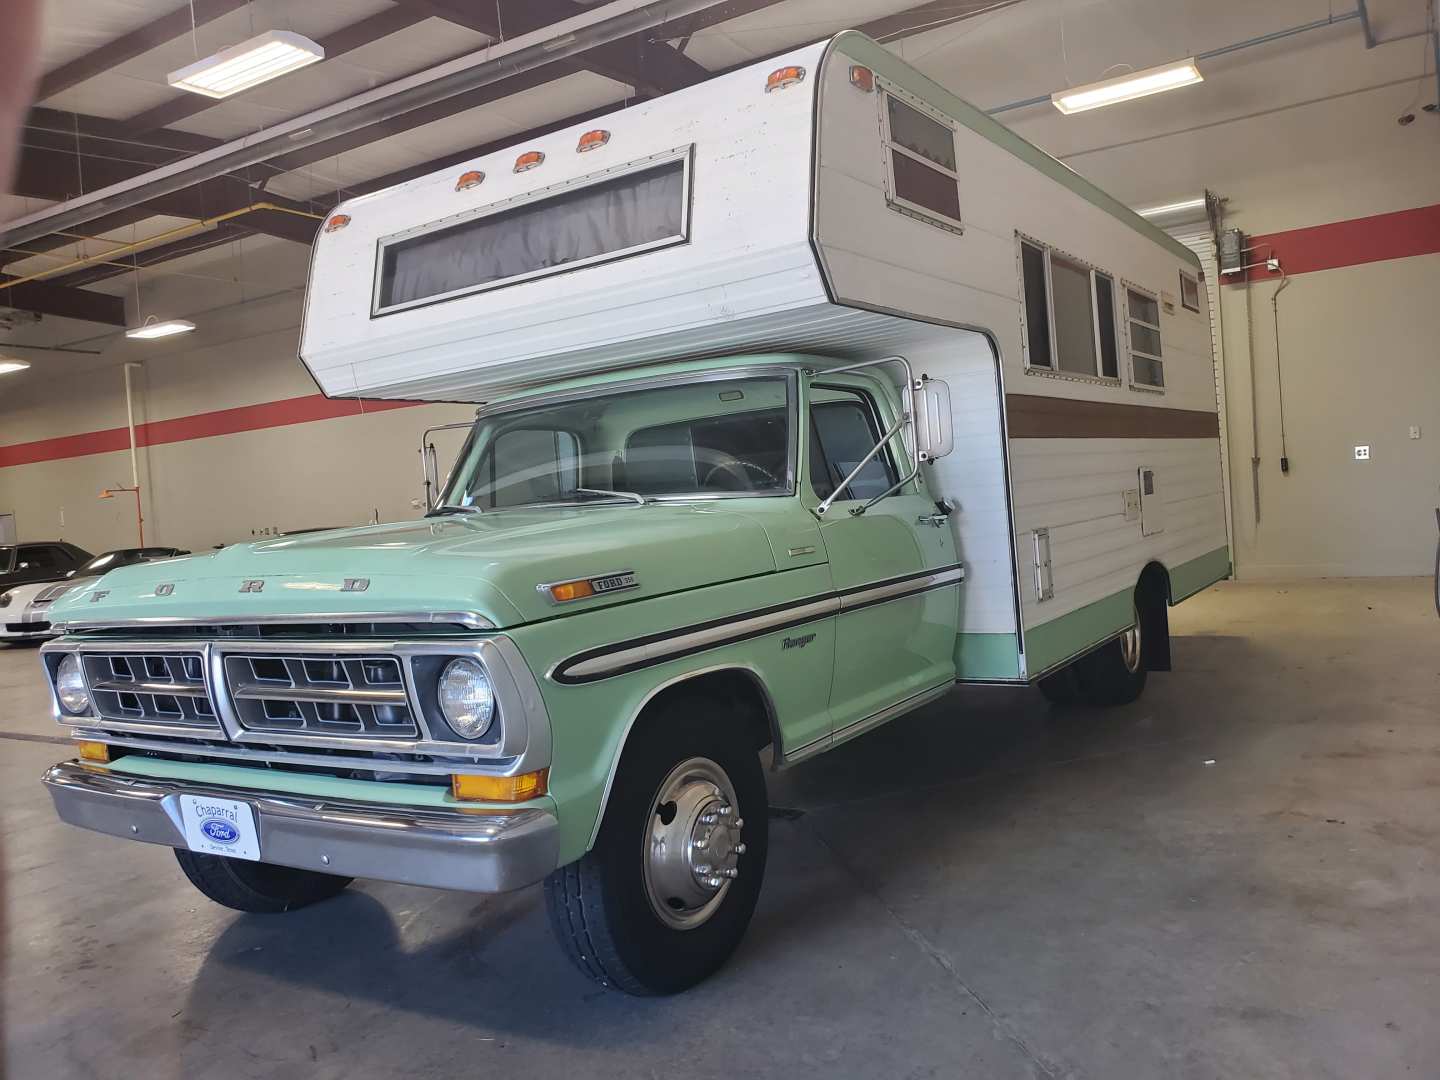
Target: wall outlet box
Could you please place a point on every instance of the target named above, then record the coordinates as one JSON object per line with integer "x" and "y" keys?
{"x": 1362, "y": 453}
{"x": 1414, "y": 431}
{"x": 1132, "y": 504}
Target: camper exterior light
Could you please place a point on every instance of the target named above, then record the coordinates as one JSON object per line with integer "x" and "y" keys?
{"x": 337, "y": 222}
{"x": 262, "y": 58}
{"x": 529, "y": 160}
{"x": 1127, "y": 87}
{"x": 473, "y": 178}
{"x": 780, "y": 78}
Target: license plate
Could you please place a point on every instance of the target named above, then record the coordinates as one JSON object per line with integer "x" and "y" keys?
{"x": 220, "y": 827}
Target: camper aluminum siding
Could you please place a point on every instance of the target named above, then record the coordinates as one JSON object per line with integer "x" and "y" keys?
{"x": 1075, "y": 445}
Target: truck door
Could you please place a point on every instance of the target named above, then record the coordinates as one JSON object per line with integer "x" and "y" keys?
{"x": 894, "y": 565}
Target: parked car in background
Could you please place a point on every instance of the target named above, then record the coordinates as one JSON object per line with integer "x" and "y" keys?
{"x": 25, "y": 609}
{"x": 45, "y": 560}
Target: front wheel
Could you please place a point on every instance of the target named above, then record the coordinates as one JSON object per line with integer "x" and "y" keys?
{"x": 255, "y": 886}
{"x": 665, "y": 895}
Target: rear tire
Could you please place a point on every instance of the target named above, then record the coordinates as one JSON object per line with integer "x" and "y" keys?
{"x": 637, "y": 913}
{"x": 255, "y": 887}
{"x": 1114, "y": 674}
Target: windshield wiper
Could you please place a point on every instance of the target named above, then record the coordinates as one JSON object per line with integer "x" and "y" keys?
{"x": 446, "y": 509}
{"x": 606, "y": 492}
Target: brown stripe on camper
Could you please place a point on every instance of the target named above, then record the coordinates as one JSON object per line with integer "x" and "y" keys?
{"x": 1034, "y": 417}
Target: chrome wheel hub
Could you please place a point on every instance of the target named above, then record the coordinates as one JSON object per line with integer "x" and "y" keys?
{"x": 692, "y": 843}
{"x": 1130, "y": 646}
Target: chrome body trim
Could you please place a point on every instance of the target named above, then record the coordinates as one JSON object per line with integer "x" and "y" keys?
{"x": 524, "y": 742}
{"x": 480, "y": 850}
{"x": 626, "y": 579}
{"x": 470, "y": 620}
{"x": 624, "y": 656}
{"x": 859, "y": 727}
{"x": 173, "y": 689}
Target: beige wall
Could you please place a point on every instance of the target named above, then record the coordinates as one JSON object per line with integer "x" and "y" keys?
{"x": 216, "y": 490}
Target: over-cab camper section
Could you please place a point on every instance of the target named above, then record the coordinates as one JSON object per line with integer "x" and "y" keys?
{"x": 837, "y": 203}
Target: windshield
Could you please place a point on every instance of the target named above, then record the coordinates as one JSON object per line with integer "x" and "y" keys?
{"x": 121, "y": 557}
{"x": 704, "y": 438}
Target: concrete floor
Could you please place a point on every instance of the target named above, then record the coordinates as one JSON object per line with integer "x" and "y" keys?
{"x": 1235, "y": 877}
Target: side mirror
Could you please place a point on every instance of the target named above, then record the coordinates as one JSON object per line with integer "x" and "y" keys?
{"x": 930, "y": 405}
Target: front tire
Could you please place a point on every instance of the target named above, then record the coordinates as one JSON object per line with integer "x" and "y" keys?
{"x": 255, "y": 887}
{"x": 665, "y": 895}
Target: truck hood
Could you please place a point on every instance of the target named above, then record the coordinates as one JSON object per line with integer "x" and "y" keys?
{"x": 485, "y": 566}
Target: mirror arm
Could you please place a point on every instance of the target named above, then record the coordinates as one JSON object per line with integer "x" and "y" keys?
{"x": 857, "y": 511}
{"x": 879, "y": 445}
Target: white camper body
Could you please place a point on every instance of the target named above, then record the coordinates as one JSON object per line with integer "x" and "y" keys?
{"x": 814, "y": 213}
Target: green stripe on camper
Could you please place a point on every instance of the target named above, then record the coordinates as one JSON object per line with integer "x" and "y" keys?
{"x": 1190, "y": 577}
{"x": 986, "y": 657}
{"x": 875, "y": 56}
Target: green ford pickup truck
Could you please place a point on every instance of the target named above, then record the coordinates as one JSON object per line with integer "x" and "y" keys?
{"x": 789, "y": 418}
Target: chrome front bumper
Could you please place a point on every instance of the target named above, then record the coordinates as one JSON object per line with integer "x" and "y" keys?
{"x": 473, "y": 851}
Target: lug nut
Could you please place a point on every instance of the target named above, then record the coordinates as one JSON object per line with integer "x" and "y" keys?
{"x": 715, "y": 882}
{"x": 731, "y": 872}
{"x": 738, "y": 823}
{"x": 740, "y": 849}
{"x": 698, "y": 845}
{"x": 703, "y": 869}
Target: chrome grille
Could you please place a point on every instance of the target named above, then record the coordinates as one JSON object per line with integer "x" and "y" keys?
{"x": 151, "y": 688}
{"x": 317, "y": 693}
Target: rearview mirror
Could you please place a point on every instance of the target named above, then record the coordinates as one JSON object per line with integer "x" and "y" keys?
{"x": 930, "y": 404}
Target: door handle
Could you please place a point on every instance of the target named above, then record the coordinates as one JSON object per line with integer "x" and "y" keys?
{"x": 937, "y": 520}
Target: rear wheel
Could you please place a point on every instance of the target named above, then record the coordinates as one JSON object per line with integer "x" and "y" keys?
{"x": 666, "y": 894}
{"x": 254, "y": 886}
{"x": 1114, "y": 674}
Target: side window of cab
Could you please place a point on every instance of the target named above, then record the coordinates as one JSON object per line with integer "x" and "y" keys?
{"x": 843, "y": 429}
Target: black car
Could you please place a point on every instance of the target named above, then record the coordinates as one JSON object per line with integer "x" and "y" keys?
{"x": 47, "y": 560}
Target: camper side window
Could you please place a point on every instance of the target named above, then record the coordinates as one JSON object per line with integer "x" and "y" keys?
{"x": 1146, "y": 367}
{"x": 1069, "y": 315}
{"x": 920, "y": 151}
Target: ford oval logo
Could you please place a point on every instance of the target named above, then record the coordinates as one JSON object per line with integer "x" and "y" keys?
{"x": 220, "y": 830}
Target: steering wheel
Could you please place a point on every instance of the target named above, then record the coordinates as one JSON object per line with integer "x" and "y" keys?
{"x": 734, "y": 475}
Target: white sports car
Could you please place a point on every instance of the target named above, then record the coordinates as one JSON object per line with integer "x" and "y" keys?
{"x": 25, "y": 609}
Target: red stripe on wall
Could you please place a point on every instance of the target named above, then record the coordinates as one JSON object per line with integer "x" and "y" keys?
{"x": 1398, "y": 235}
{"x": 269, "y": 414}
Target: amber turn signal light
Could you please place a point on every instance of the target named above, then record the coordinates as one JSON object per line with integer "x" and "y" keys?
{"x": 570, "y": 590}
{"x": 519, "y": 788}
{"x": 862, "y": 78}
{"x": 93, "y": 751}
{"x": 783, "y": 77}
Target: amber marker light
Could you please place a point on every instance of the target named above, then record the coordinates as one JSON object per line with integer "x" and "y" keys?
{"x": 592, "y": 140}
{"x": 94, "y": 751}
{"x": 566, "y": 591}
{"x": 862, "y": 78}
{"x": 337, "y": 222}
{"x": 473, "y": 178}
{"x": 529, "y": 160}
{"x": 780, "y": 78}
{"x": 507, "y": 789}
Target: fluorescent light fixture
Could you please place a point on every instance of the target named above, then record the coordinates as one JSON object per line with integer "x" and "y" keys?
{"x": 272, "y": 54}
{"x": 152, "y": 328}
{"x": 11, "y": 363}
{"x": 1137, "y": 84}
{"x": 1173, "y": 208}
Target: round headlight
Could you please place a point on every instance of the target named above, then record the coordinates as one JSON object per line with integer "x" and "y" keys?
{"x": 466, "y": 698}
{"x": 70, "y": 686}
{"x": 5, "y": 597}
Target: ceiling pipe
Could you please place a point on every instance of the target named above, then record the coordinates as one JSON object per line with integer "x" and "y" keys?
{"x": 178, "y": 233}
{"x": 525, "y": 52}
{"x": 1263, "y": 39}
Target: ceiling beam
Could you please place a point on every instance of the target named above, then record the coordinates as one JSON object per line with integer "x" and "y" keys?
{"x": 225, "y": 233}
{"x": 128, "y": 46}
{"x": 926, "y": 17}
{"x": 48, "y": 298}
{"x": 346, "y": 39}
{"x": 648, "y": 64}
